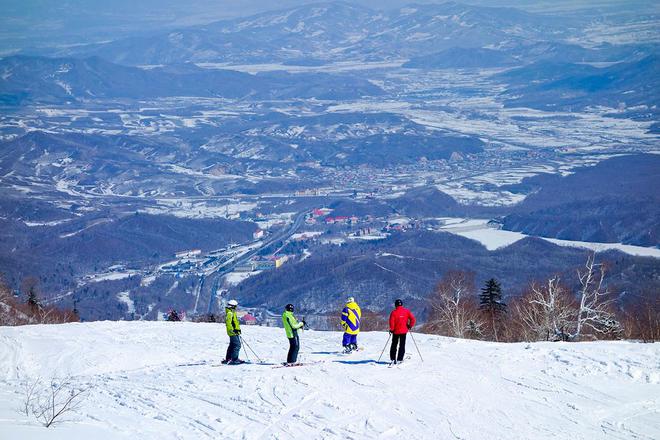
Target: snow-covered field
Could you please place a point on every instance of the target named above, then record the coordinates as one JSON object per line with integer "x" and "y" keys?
{"x": 162, "y": 380}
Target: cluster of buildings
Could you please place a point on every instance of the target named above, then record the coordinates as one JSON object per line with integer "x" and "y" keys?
{"x": 256, "y": 264}
{"x": 188, "y": 254}
{"x": 341, "y": 220}
{"x": 180, "y": 267}
{"x": 323, "y": 215}
{"x": 316, "y": 215}
{"x": 402, "y": 226}
{"x": 309, "y": 192}
{"x": 364, "y": 231}
{"x": 186, "y": 261}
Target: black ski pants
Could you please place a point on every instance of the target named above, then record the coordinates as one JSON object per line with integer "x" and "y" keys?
{"x": 234, "y": 348}
{"x": 294, "y": 346}
{"x": 399, "y": 340}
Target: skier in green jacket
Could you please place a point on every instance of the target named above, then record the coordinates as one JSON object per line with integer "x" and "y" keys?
{"x": 234, "y": 333}
{"x": 291, "y": 326}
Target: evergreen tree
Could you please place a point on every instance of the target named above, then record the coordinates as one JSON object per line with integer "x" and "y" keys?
{"x": 29, "y": 289}
{"x": 33, "y": 299}
{"x": 490, "y": 301}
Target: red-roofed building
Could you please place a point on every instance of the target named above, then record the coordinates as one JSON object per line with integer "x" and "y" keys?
{"x": 320, "y": 212}
{"x": 248, "y": 319}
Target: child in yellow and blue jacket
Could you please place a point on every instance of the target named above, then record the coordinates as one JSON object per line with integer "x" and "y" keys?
{"x": 350, "y": 321}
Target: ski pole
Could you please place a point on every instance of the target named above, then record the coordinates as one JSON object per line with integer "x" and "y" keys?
{"x": 418, "y": 352}
{"x": 247, "y": 356}
{"x": 389, "y": 335}
{"x": 299, "y": 334}
{"x": 253, "y": 352}
{"x": 256, "y": 355}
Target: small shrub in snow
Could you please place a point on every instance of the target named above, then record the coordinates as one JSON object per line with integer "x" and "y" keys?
{"x": 49, "y": 403}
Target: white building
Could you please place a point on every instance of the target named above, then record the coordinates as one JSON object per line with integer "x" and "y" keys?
{"x": 188, "y": 254}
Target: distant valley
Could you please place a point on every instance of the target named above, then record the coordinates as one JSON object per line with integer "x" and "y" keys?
{"x": 302, "y": 154}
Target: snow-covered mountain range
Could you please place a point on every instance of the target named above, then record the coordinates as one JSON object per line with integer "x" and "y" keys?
{"x": 337, "y": 30}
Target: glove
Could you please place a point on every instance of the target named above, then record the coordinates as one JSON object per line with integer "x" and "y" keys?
{"x": 391, "y": 332}
{"x": 238, "y": 332}
{"x": 304, "y": 323}
{"x": 409, "y": 326}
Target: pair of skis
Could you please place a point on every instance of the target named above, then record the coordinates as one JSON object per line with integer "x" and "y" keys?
{"x": 399, "y": 363}
{"x": 231, "y": 364}
{"x": 282, "y": 365}
{"x": 296, "y": 364}
{"x": 344, "y": 352}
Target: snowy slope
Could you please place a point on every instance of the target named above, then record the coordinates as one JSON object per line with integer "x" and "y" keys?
{"x": 152, "y": 380}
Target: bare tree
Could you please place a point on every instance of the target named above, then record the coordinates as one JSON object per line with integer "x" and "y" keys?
{"x": 454, "y": 309}
{"x": 475, "y": 327}
{"x": 29, "y": 391}
{"x": 6, "y": 306}
{"x": 547, "y": 312}
{"x": 33, "y": 311}
{"x": 641, "y": 318}
{"x": 10, "y": 310}
{"x": 49, "y": 405}
{"x": 374, "y": 321}
{"x": 595, "y": 307}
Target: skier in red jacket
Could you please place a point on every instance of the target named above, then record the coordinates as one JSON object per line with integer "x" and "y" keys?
{"x": 401, "y": 320}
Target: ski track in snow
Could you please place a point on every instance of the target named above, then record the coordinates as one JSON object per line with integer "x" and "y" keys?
{"x": 158, "y": 380}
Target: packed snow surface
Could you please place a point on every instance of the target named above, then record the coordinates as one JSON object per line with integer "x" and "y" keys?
{"x": 159, "y": 380}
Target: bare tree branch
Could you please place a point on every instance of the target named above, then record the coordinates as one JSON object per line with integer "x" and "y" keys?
{"x": 595, "y": 308}
{"x": 454, "y": 310}
{"x": 49, "y": 405}
{"x": 547, "y": 313}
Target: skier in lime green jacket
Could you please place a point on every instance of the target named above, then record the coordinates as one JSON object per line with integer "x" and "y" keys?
{"x": 234, "y": 333}
{"x": 291, "y": 327}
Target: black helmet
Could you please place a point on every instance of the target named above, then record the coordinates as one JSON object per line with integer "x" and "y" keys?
{"x": 289, "y": 308}
{"x": 398, "y": 303}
